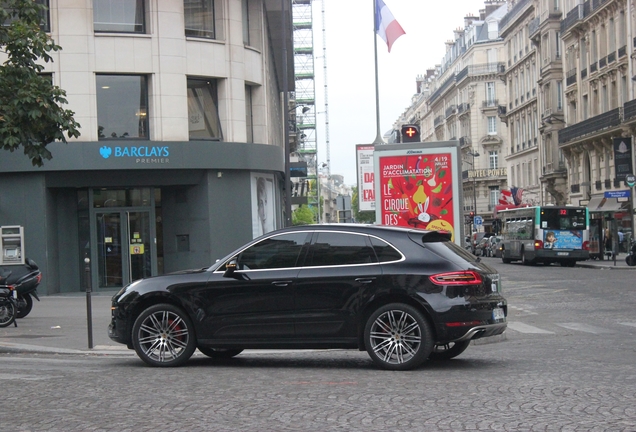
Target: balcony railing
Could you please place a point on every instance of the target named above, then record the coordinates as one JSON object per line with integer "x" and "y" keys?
{"x": 490, "y": 103}
{"x": 438, "y": 121}
{"x": 584, "y": 73}
{"x": 464, "y": 141}
{"x": 602, "y": 62}
{"x": 533, "y": 26}
{"x": 501, "y": 110}
{"x": 603, "y": 121}
{"x": 575, "y": 188}
{"x": 570, "y": 77}
{"x": 516, "y": 9}
{"x": 451, "y": 110}
{"x": 572, "y": 18}
{"x": 593, "y": 67}
{"x": 629, "y": 109}
{"x": 622, "y": 51}
{"x": 463, "y": 107}
{"x": 611, "y": 57}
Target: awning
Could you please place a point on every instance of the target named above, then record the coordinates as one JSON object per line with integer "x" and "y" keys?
{"x": 602, "y": 204}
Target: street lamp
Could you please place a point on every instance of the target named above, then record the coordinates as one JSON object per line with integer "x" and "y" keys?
{"x": 474, "y": 155}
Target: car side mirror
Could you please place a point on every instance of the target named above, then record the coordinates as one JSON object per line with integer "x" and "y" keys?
{"x": 231, "y": 266}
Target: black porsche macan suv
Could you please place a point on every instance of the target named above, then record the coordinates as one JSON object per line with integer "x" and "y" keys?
{"x": 404, "y": 295}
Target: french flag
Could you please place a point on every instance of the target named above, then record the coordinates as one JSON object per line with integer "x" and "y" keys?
{"x": 386, "y": 26}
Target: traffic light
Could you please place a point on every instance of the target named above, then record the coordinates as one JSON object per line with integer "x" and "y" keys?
{"x": 472, "y": 216}
{"x": 410, "y": 133}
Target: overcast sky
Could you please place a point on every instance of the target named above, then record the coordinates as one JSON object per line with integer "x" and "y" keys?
{"x": 350, "y": 67}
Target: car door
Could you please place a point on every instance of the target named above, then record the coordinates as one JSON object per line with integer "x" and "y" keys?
{"x": 256, "y": 300}
{"x": 339, "y": 267}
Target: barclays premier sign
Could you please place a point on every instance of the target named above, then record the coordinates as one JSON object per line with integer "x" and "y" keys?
{"x": 140, "y": 154}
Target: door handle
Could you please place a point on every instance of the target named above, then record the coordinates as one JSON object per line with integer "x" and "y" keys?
{"x": 281, "y": 283}
{"x": 365, "y": 280}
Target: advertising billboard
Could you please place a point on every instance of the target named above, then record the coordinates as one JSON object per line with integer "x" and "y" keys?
{"x": 366, "y": 188}
{"x": 419, "y": 185}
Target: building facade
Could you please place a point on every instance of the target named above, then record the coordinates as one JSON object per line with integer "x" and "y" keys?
{"x": 600, "y": 112}
{"x": 460, "y": 99}
{"x": 182, "y": 149}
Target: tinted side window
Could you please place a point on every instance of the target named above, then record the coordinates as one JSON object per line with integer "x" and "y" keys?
{"x": 385, "y": 251}
{"x": 333, "y": 248}
{"x": 281, "y": 251}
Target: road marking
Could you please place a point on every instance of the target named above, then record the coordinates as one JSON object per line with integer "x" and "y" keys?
{"x": 525, "y": 328}
{"x": 584, "y": 328}
{"x": 522, "y": 310}
{"x": 631, "y": 324}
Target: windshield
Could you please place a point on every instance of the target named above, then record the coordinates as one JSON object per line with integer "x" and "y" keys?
{"x": 563, "y": 219}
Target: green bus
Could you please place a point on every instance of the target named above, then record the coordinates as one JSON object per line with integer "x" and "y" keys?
{"x": 545, "y": 235}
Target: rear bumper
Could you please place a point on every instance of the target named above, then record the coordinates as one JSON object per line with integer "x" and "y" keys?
{"x": 483, "y": 331}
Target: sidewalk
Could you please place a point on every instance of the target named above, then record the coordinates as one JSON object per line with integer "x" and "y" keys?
{"x": 58, "y": 325}
{"x": 620, "y": 264}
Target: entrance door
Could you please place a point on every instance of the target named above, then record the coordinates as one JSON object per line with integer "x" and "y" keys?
{"x": 124, "y": 250}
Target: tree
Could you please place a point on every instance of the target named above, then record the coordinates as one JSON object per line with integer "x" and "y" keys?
{"x": 31, "y": 115}
{"x": 360, "y": 216}
{"x": 303, "y": 215}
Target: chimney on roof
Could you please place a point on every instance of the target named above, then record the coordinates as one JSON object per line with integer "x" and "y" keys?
{"x": 419, "y": 83}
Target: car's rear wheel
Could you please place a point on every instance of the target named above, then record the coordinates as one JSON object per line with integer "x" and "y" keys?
{"x": 398, "y": 337}
{"x": 448, "y": 351}
{"x": 220, "y": 353}
{"x": 163, "y": 335}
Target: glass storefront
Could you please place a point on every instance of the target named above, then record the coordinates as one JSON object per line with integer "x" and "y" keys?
{"x": 124, "y": 225}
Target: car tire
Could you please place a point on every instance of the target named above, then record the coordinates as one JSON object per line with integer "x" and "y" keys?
{"x": 448, "y": 351}
{"x": 163, "y": 335}
{"x": 220, "y": 353}
{"x": 398, "y": 337}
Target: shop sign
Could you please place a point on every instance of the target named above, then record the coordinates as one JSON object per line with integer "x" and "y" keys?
{"x": 623, "y": 157}
{"x": 141, "y": 154}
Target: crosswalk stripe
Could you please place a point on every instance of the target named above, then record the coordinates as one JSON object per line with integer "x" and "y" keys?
{"x": 631, "y": 324}
{"x": 584, "y": 328}
{"x": 525, "y": 328}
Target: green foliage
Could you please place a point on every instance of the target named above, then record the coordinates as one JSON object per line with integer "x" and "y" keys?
{"x": 31, "y": 115}
{"x": 360, "y": 217}
{"x": 303, "y": 215}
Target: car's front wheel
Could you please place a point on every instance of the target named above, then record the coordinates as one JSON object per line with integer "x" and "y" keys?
{"x": 163, "y": 335}
{"x": 398, "y": 337}
{"x": 220, "y": 353}
{"x": 449, "y": 350}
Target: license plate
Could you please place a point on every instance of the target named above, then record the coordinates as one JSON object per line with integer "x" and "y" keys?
{"x": 563, "y": 253}
{"x": 497, "y": 314}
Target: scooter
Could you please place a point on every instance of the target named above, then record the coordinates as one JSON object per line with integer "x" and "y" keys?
{"x": 630, "y": 259}
{"x": 25, "y": 280}
{"x": 8, "y": 301}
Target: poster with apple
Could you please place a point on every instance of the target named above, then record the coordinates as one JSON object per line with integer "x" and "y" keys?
{"x": 418, "y": 185}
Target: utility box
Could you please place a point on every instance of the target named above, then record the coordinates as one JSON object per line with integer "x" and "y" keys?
{"x": 12, "y": 245}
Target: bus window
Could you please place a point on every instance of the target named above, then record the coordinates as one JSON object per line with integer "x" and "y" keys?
{"x": 563, "y": 219}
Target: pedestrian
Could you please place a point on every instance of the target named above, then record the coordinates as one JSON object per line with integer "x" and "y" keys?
{"x": 607, "y": 242}
{"x": 621, "y": 240}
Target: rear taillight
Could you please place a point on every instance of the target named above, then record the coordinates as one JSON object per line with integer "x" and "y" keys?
{"x": 586, "y": 245}
{"x": 538, "y": 244}
{"x": 457, "y": 278}
{"x": 39, "y": 278}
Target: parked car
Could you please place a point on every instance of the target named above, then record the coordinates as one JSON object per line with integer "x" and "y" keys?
{"x": 494, "y": 247}
{"x": 482, "y": 247}
{"x": 404, "y": 295}
{"x": 476, "y": 238}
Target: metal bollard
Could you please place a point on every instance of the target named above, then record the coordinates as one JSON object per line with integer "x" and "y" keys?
{"x": 89, "y": 309}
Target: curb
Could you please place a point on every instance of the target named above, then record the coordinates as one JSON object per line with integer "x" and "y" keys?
{"x": 13, "y": 348}
{"x": 604, "y": 266}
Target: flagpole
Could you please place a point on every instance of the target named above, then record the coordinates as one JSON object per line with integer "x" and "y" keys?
{"x": 378, "y": 137}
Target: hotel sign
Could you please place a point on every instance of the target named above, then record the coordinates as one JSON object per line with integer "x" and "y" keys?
{"x": 488, "y": 173}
